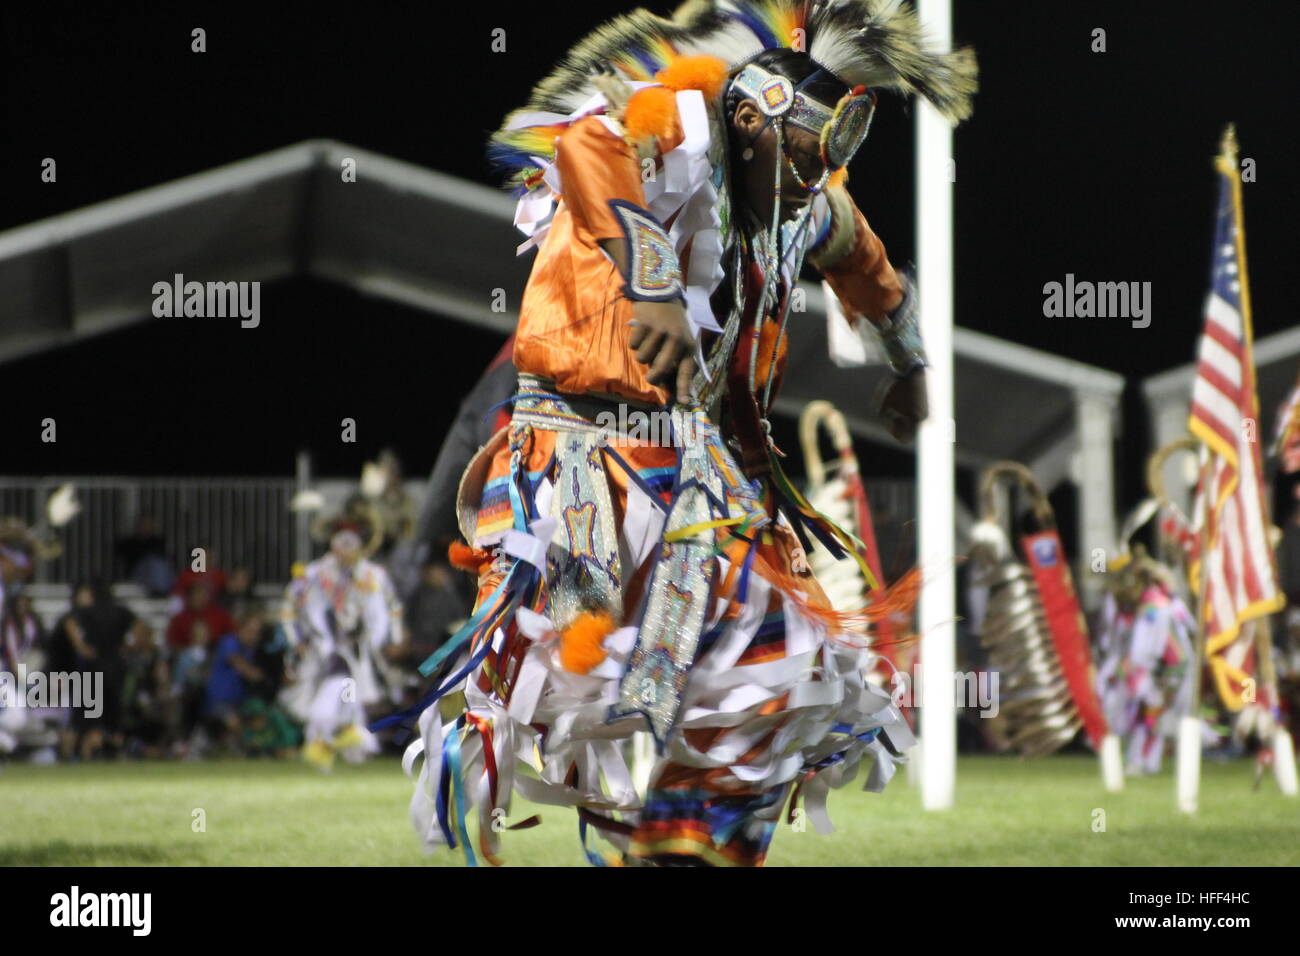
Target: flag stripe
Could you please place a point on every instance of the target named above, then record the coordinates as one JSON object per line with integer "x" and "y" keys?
{"x": 1224, "y": 314}
{"x": 1223, "y": 362}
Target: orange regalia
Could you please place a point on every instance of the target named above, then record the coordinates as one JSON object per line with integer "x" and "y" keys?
{"x": 641, "y": 562}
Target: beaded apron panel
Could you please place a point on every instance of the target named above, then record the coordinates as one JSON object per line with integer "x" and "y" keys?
{"x": 583, "y": 559}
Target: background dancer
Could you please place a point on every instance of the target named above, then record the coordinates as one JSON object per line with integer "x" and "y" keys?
{"x": 341, "y": 614}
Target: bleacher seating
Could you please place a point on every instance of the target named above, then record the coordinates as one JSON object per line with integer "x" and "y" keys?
{"x": 50, "y": 601}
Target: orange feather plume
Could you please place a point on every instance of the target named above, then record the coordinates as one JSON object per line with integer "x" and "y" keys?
{"x": 701, "y": 72}
{"x": 651, "y": 112}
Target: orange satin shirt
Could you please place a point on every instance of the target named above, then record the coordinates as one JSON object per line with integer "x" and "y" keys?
{"x": 573, "y": 321}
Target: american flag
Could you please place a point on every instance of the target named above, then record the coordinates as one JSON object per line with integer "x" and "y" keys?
{"x": 1240, "y": 583}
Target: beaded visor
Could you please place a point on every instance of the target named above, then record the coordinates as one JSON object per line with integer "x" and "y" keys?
{"x": 841, "y": 129}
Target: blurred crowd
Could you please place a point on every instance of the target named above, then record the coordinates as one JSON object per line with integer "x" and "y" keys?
{"x": 208, "y": 683}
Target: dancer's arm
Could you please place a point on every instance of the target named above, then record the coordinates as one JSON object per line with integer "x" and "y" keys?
{"x": 595, "y": 167}
{"x": 856, "y": 266}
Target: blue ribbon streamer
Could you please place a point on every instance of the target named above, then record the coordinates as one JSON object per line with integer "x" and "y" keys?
{"x": 595, "y": 859}
{"x": 742, "y": 586}
{"x": 444, "y": 790}
{"x": 453, "y": 759}
{"x": 637, "y": 479}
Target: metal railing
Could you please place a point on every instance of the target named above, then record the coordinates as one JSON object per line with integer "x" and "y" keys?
{"x": 236, "y": 520}
{"x": 247, "y": 521}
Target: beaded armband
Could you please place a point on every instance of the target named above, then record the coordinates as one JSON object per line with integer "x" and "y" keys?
{"x": 653, "y": 272}
{"x": 901, "y": 336}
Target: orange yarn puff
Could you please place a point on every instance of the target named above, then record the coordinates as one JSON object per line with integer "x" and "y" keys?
{"x": 581, "y": 643}
{"x": 651, "y": 112}
{"x": 701, "y": 72}
{"x": 466, "y": 558}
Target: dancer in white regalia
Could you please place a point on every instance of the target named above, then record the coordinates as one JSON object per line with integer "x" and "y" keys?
{"x": 340, "y": 613}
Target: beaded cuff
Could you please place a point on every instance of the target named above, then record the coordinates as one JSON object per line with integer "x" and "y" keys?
{"x": 901, "y": 336}
{"x": 653, "y": 272}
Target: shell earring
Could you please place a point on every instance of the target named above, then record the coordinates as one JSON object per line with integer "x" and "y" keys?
{"x": 748, "y": 154}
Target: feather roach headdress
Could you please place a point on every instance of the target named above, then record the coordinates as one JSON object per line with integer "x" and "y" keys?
{"x": 868, "y": 43}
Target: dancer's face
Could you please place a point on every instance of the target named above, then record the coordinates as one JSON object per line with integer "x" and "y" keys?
{"x": 755, "y": 176}
{"x": 346, "y": 546}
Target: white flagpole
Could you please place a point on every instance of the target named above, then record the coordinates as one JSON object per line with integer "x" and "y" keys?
{"x": 1283, "y": 749}
{"x": 1189, "y": 762}
{"x": 1112, "y": 763}
{"x": 1188, "y": 775}
{"x": 935, "y": 173}
{"x": 1284, "y": 762}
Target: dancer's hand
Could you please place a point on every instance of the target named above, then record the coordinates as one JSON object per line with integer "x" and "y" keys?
{"x": 661, "y": 335}
{"x": 905, "y": 405}
{"x": 663, "y": 339}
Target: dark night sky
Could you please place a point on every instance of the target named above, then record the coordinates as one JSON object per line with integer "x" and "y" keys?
{"x": 1095, "y": 164}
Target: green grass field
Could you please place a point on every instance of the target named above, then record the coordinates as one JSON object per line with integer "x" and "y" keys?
{"x": 1008, "y": 813}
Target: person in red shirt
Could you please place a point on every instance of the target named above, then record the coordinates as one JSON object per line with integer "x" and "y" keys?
{"x": 199, "y": 606}
{"x": 214, "y": 578}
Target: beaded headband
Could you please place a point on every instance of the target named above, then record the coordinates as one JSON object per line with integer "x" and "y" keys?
{"x": 840, "y": 130}
{"x": 777, "y": 97}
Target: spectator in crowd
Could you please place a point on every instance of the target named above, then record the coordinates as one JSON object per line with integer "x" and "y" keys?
{"x": 60, "y": 652}
{"x": 61, "y": 657}
{"x": 212, "y": 575}
{"x": 237, "y": 598}
{"x": 189, "y": 683}
{"x": 268, "y": 731}
{"x": 143, "y": 555}
{"x": 199, "y": 606}
{"x": 272, "y": 660}
{"x": 267, "y": 728}
{"x": 233, "y": 671}
{"x": 395, "y": 505}
{"x": 436, "y": 608}
{"x": 145, "y": 693}
{"x": 99, "y": 633}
